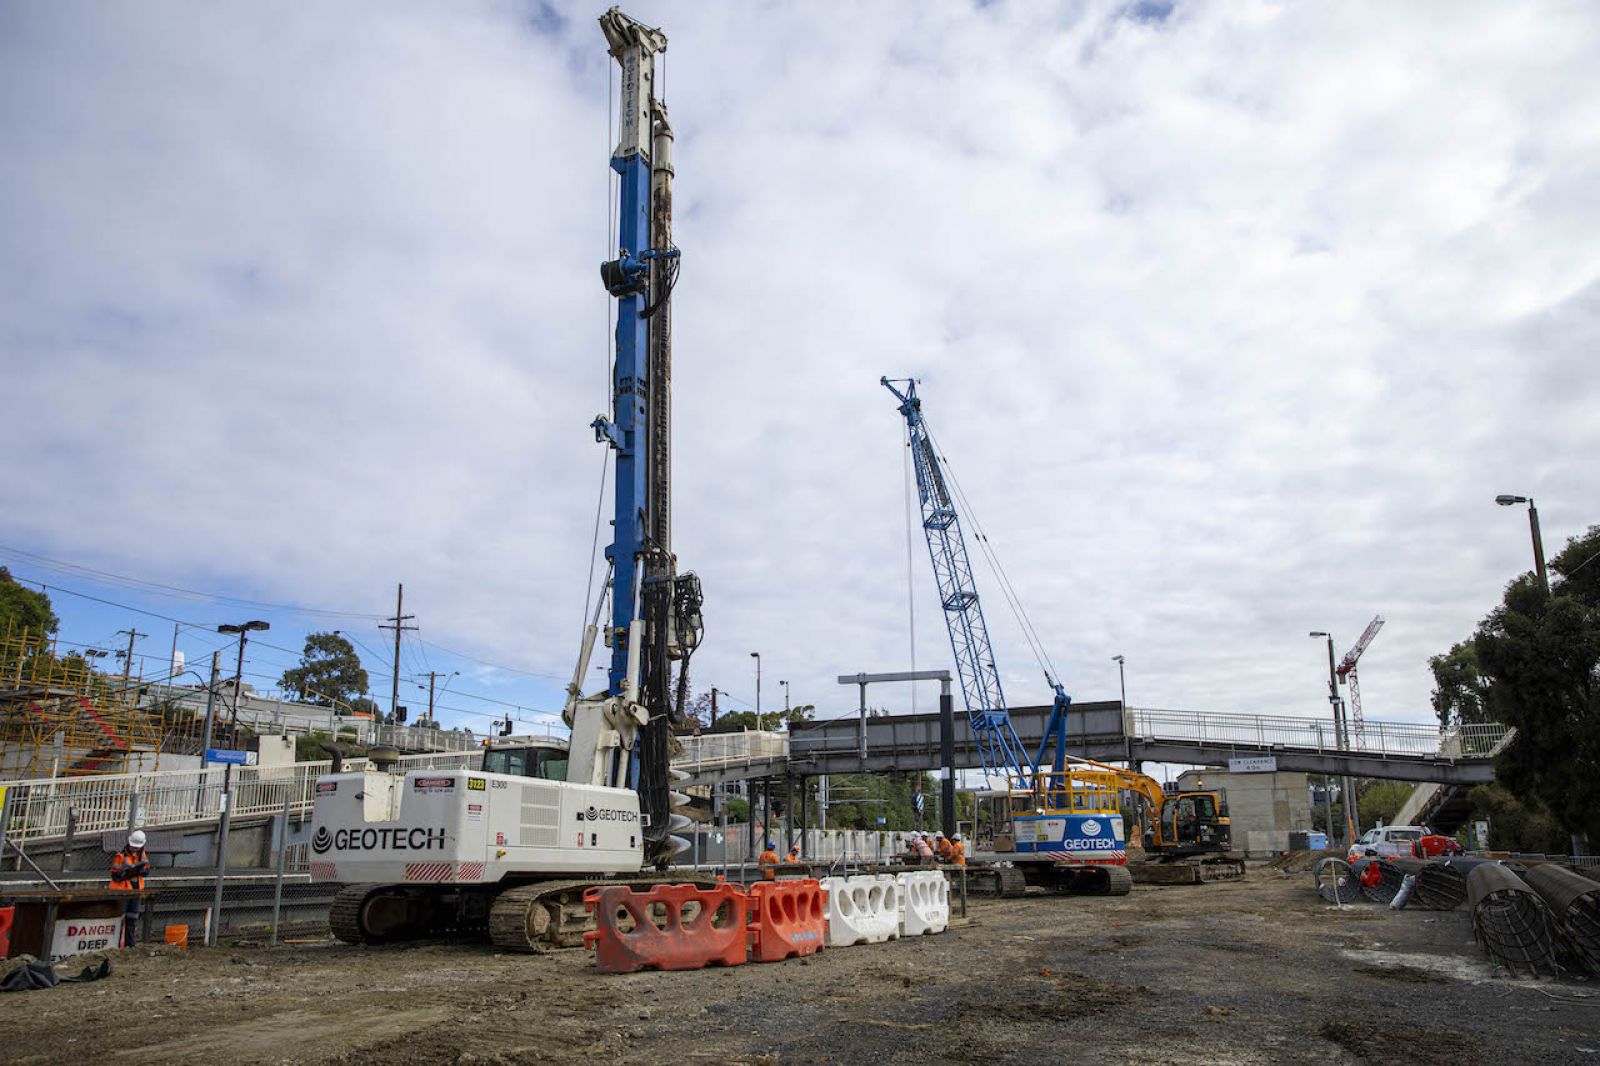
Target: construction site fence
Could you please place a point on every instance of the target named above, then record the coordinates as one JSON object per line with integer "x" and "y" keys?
{"x": 42, "y": 809}
{"x": 710, "y": 847}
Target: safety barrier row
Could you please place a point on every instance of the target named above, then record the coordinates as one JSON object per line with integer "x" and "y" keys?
{"x": 924, "y": 902}
{"x": 864, "y": 909}
{"x": 688, "y": 927}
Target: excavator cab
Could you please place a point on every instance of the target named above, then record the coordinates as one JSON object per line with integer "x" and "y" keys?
{"x": 1196, "y": 823}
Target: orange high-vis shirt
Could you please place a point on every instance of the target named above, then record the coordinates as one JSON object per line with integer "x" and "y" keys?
{"x": 958, "y": 853}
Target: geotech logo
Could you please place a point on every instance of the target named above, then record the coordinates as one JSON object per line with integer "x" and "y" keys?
{"x": 418, "y": 839}
{"x": 608, "y": 814}
{"x": 1090, "y": 827}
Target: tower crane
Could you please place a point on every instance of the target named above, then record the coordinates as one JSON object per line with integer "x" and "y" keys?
{"x": 507, "y": 850}
{"x": 1347, "y": 672}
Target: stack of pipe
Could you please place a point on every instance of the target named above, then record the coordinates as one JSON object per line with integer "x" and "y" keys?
{"x": 1335, "y": 882}
{"x": 1574, "y": 903}
{"x": 1511, "y": 920}
{"x": 1379, "y": 878}
{"x": 1441, "y": 884}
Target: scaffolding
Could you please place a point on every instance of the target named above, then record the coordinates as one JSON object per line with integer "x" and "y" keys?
{"x": 61, "y": 718}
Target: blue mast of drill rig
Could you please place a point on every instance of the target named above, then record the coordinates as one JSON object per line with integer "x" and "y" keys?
{"x": 629, "y": 279}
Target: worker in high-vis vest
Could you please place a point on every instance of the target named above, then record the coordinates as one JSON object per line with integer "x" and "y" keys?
{"x": 128, "y": 869}
{"x": 958, "y": 851}
{"x": 769, "y": 862}
{"x": 941, "y": 847}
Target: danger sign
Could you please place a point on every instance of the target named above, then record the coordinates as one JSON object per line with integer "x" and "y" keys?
{"x": 79, "y": 936}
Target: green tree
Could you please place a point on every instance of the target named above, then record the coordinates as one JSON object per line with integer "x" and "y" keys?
{"x": 1515, "y": 825}
{"x": 24, "y": 608}
{"x": 329, "y": 671}
{"x": 1380, "y": 801}
{"x": 1538, "y": 669}
{"x": 1458, "y": 687}
{"x": 736, "y": 721}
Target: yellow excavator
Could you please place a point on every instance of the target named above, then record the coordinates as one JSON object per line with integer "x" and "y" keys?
{"x": 1187, "y": 835}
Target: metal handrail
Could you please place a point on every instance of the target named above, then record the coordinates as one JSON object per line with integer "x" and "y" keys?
{"x": 41, "y": 808}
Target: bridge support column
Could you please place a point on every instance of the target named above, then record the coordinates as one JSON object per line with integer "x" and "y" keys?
{"x": 947, "y": 761}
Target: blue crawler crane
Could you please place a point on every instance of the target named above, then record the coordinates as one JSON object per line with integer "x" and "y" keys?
{"x": 1061, "y": 826}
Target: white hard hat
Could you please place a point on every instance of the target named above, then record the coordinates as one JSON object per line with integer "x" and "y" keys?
{"x": 136, "y": 839}
{"x": 940, "y": 833}
{"x": 956, "y": 837}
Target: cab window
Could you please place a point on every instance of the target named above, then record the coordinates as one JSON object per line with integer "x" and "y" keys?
{"x": 542, "y": 763}
{"x": 1206, "y": 807}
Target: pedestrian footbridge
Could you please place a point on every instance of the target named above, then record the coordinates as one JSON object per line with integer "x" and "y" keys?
{"x": 48, "y": 813}
{"x": 1404, "y": 751}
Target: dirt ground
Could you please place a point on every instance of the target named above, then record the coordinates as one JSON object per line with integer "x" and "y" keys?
{"x": 1255, "y": 972}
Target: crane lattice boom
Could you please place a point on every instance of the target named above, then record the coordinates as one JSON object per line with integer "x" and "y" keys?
{"x": 998, "y": 746}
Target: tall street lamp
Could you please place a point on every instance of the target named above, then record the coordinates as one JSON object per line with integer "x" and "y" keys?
{"x": 243, "y": 629}
{"x": 785, "y": 685}
{"x": 1122, "y": 680}
{"x": 1538, "y": 541}
{"x": 1352, "y": 816}
{"x": 757, "y": 657}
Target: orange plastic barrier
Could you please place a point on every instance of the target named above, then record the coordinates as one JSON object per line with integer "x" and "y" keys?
{"x": 7, "y": 916}
{"x": 646, "y": 929}
{"x": 787, "y": 918}
{"x": 178, "y": 935}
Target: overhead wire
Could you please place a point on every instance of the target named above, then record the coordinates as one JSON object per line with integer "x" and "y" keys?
{"x": 80, "y": 570}
{"x": 1007, "y": 589}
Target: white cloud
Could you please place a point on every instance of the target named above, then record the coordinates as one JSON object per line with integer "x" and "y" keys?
{"x": 1232, "y": 323}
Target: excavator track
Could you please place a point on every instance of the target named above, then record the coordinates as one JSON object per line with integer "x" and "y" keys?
{"x": 1120, "y": 881}
{"x": 1002, "y": 882}
{"x": 385, "y": 913}
{"x": 537, "y": 917}
{"x": 344, "y": 915}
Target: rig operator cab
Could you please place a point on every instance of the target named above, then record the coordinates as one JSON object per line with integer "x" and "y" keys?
{"x": 1191, "y": 823}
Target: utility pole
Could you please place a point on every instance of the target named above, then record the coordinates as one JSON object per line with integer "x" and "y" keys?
{"x": 127, "y": 663}
{"x": 432, "y": 676}
{"x": 1341, "y": 735}
{"x": 399, "y": 627}
{"x": 713, "y": 707}
{"x": 211, "y": 705}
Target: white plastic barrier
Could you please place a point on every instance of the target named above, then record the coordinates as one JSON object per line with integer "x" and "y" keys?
{"x": 864, "y": 909}
{"x": 924, "y": 902}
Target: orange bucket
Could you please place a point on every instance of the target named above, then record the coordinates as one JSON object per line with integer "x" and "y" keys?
{"x": 178, "y": 935}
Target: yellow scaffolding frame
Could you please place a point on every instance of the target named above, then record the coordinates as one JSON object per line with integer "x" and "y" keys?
{"x": 59, "y": 717}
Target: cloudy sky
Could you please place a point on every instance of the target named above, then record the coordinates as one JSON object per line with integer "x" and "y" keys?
{"x": 1231, "y": 318}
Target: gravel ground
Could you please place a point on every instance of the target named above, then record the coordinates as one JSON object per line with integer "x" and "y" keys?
{"x": 1254, "y": 972}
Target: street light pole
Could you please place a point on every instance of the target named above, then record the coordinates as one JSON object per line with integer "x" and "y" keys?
{"x": 757, "y": 657}
{"x": 785, "y": 685}
{"x": 1352, "y": 815}
{"x": 1127, "y": 731}
{"x": 243, "y": 629}
{"x": 1533, "y": 528}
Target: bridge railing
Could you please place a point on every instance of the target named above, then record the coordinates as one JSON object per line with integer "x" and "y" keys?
{"x": 1265, "y": 731}
{"x": 711, "y": 751}
{"x": 40, "y": 809}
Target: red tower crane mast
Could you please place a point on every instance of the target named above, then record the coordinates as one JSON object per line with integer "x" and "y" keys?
{"x": 1347, "y": 672}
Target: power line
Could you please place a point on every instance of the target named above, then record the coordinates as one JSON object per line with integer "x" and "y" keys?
{"x": 485, "y": 662}
{"x": 156, "y": 586}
